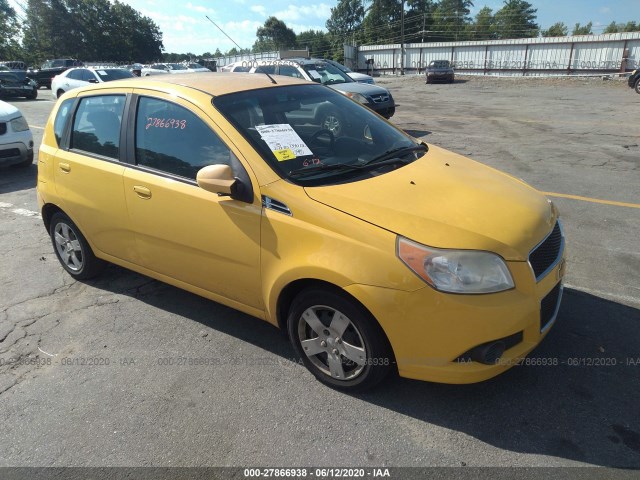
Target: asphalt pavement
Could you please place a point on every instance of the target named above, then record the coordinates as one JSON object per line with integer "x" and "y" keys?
{"x": 127, "y": 371}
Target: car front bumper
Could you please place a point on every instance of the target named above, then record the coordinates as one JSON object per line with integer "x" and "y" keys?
{"x": 430, "y": 332}
{"x": 15, "y": 153}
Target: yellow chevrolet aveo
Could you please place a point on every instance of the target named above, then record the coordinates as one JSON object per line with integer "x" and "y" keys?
{"x": 293, "y": 203}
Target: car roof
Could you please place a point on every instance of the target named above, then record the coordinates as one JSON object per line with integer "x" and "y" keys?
{"x": 212, "y": 83}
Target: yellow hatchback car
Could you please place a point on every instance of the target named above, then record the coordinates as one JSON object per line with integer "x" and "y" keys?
{"x": 293, "y": 203}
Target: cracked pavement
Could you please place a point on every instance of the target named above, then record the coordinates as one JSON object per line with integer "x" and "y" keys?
{"x": 127, "y": 371}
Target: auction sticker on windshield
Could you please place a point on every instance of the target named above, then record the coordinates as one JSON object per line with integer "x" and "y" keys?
{"x": 283, "y": 141}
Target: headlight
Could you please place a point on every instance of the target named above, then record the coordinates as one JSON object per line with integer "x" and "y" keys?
{"x": 19, "y": 124}
{"x": 357, "y": 97}
{"x": 456, "y": 271}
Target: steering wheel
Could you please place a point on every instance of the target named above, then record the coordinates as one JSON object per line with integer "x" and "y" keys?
{"x": 322, "y": 144}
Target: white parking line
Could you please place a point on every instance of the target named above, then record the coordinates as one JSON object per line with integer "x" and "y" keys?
{"x": 19, "y": 211}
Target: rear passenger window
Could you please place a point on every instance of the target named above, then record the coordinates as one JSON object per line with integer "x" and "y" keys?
{"x": 172, "y": 139}
{"x": 289, "y": 71}
{"x": 96, "y": 126}
{"x": 61, "y": 119}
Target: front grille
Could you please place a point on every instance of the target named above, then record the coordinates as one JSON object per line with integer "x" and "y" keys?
{"x": 9, "y": 152}
{"x": 545, "y": 256}
{"x": 549, "y": 306}
{"x": 3, "y": 128}
{"x": 380, "y": 98}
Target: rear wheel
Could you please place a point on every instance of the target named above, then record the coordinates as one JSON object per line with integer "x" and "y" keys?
{"x": 59, "y": 93}
{"x": 72, "y": 249}
{"x": 338, "y": 340}
{"x": 637, "y": 87}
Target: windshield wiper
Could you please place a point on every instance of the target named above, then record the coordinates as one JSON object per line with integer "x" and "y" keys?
{"x": 316, "y": 168}
{"x": 395, "y": 154}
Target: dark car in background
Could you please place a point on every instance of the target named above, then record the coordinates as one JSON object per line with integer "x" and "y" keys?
{"x": 440, "y": 71}
{"x": 15, "y": 83}
{"x": 51, "y": 68}
{"x": 634, "y": 80}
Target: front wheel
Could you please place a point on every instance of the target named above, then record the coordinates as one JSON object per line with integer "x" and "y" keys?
{"x": 338, "y": 340}
{"x": 72, "y": 249}
{"x": 637, "y": 87}
{"x": 32, "y": 95}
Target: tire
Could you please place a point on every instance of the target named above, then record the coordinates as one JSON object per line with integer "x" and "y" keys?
{"x": 332, "y": 121}
{"x": 73, "y": 251}
{"x": 637, "y": 87}
{"x": 33, "y": 95}
{"x": 352, "y": 352}
{"x": 59, "y": 93}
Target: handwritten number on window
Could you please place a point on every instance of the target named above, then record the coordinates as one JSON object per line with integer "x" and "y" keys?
{"x": 165, "y": 123}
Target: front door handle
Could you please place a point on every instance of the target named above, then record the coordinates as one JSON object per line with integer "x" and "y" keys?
{"x": 142, "y": 192}
{"x": 65, "y": 167}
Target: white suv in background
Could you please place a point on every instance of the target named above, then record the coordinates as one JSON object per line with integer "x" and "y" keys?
{"x": 16, "y": 141}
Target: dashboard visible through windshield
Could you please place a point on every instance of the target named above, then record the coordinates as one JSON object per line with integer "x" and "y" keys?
{"x": 313, "y": 135}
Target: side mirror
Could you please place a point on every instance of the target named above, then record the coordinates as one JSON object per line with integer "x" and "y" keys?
{"x": 93, "y": 80}
{"x": 216, "y": 178}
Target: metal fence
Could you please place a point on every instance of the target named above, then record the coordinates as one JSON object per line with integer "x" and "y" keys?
{"x": 574, "y": 55}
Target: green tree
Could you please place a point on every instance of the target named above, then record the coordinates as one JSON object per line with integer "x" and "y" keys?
{"x": 419, "y": 20}
{"x": 613, "y": 27}
{"x": 344, "y": 25}
{"x": 274, "y": 35}
{"x": 317, "y": 42}
{"x": 484, "y": 26}
{"x": 382, "y": 22}
{"x": 558, "y": 29}
{"x": 9, "y": 29}
{"x": 582, "y": 30}
{"x": 516, "y": 19}
{"x": 451, "y": 18}
{"x": 93, "y": 30}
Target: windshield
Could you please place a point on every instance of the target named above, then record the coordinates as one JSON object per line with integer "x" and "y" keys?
{"x": 312, "y": 135}
{"x": 340, "y": 66}
{"x": 109, "y": 74}
{"x": 326, "y": 74}
{"x": 440, "y": 64}
{"x": 195, "y": 65}
{"x": 176, "y": 66}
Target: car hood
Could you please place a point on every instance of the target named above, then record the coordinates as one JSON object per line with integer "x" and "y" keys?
{"x": 8, "y": 111}
{"x": 359, "y": 77}
{"x": 362, "y": 88}
{"x": 448, "y": 201}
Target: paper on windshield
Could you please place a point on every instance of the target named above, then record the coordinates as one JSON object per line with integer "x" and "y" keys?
{"x": 314, "y": 74}
{"x": 102, "y": 72}
{"x": 283, "y": 141}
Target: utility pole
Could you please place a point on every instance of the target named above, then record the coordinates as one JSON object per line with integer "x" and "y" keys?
{"x": 402, "y": 39}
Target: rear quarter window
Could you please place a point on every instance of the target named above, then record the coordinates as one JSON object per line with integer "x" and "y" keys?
{"x": 61, "y": 119}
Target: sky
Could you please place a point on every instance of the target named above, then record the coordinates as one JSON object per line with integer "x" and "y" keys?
{"x": 186, "y": 29}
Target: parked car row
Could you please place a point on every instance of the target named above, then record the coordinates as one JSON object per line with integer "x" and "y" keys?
{"x": 318, "y": 70}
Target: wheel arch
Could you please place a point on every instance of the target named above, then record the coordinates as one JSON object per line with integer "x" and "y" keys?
{"x": 48, "y": 211}
{"x": 292, "y": 289}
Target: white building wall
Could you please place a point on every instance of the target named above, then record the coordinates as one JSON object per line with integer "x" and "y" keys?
{"x": 580, "y": 54}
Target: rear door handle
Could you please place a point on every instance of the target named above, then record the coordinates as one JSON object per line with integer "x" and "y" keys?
{"x": 65, "y": 167}
{"x": 142, "y": 192}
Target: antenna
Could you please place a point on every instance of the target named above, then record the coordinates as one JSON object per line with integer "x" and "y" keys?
{"x": 260, "y": 69}
{"x": 225, "y": 33}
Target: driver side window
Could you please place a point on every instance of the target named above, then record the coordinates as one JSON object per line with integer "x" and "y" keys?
{"x": 172, "y": 139}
